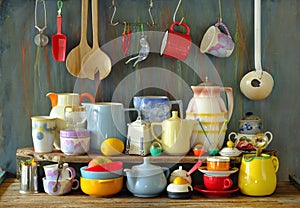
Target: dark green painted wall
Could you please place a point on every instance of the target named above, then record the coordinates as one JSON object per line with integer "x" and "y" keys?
{"x": 28, "y": 73}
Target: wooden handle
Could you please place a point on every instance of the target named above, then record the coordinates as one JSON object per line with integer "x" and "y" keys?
{"x": 84, "y": 14}
{"x": 95, "y": 23}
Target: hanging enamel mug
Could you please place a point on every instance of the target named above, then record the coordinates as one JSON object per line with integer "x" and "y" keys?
{"x": 176, "y": 45}
{"x": 217, "y": 43}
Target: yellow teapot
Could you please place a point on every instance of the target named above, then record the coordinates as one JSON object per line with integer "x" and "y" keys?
{"x": 176, "y": 134}
{"x": 257, "y": 176}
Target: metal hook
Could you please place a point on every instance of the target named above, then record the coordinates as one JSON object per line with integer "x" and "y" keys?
{"x": 174, "y": 16}
{"x": 113, "y": 15}
{"x": 150, "y": 14}
{"x": 220, "y": 12}
{"x": 41, "y": 30}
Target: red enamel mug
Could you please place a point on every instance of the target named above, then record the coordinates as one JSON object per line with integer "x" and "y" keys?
{"x": 176, "y": 45}
{"x": 219, "y": 183}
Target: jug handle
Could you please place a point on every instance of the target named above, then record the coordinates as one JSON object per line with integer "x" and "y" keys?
{"x": 275, "y": 163}
{"x": 86, "y": 95}
{"x": 179, "y": 103}
{"x": 134, "y": 109}
{"x": 229, "y": 95}
{"x": 153, "y": 132}
{"x": 53, "y": 98}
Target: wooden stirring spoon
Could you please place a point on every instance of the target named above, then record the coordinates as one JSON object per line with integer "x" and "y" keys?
{"x": 95, "y": 60}
{"x": 74, "y": 58}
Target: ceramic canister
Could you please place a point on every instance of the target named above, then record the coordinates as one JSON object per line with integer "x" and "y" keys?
{"x": 74, "y": 141}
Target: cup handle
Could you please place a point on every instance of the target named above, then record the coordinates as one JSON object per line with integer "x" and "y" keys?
{"x": 77, "y": 184}
{"x": 218, "y": 24}
{"x": 153, "y": 132}
{"x": 188, "y": 31}
{"x": 227, "y": 183}
{"x": 190, "y": 187}
{"x": 229, "y": 136}
{"x": 72, "y": 172}
{"x": 179, "y": 103}
{"x": 270, "y": 136}
{"x": 275, "y": 163}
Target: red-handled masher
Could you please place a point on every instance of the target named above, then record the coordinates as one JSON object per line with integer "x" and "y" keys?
{"x": 59, "y": 40}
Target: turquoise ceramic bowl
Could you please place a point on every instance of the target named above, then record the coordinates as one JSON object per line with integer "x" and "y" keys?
{"x": 101, "y": 175}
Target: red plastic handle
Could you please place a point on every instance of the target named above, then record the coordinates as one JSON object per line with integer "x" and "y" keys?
{"x": 59, "y": 23}
{"x": 188, "y": 31}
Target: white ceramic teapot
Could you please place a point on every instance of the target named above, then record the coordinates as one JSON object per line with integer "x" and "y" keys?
{"x": 208, "y": 107}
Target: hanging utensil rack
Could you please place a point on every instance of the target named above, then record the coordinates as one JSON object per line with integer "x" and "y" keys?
{"x": 151, "y": 24}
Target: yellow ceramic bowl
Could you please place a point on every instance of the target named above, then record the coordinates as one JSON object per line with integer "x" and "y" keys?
{"x": 101, "y": 188}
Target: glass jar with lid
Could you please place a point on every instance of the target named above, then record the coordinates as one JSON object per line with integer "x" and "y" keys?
{"x": 75, "y": 117}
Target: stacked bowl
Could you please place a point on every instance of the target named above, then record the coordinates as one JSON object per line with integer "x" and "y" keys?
{"x": 102, "y": 180}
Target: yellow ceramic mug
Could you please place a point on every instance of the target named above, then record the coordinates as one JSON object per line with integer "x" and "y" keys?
{"x": 257, "y": 176}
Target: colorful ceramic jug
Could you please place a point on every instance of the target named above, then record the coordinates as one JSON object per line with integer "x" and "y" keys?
{"x": 208, "y": 107}
{"x": 257, "y": 175}
{"x": 58, "y": 102}
{"x": 176, "y": 134}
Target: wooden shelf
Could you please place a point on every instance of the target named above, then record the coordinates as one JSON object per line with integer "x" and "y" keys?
{"x": 286, "y": 195}
{"x": 57, "y": 155}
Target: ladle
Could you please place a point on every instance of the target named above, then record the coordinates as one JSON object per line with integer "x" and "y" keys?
{"x": 75, "y": 56}
{"x": 258, "y": 84}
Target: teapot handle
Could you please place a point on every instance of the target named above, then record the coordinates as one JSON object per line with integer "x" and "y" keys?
{"x": 275, "y": 163}
{"x": 166, "y": 171}
{"x": 153, "y": 132}
{"x": 229, "y": 95}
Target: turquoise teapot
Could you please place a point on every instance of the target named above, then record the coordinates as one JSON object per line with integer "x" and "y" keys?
{"x": 146, "y": 180}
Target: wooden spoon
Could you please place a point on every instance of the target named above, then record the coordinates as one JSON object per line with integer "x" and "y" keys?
{"x": 74, "y": 58}
{"x": 95, "y": 60}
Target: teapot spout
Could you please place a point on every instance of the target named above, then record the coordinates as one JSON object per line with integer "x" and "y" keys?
{"x": 53, "y": 98}
{"x": 131, "y": 180}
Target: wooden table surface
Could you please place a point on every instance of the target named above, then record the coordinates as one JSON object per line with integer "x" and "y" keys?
{"x": 286, "y": 195}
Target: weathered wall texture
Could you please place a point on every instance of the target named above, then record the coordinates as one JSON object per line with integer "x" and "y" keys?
{"x": 28, "y": 72}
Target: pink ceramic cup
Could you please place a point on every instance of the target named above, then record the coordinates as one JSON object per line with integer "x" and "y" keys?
{"x": 217, "y": 182}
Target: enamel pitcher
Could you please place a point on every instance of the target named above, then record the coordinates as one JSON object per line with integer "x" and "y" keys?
{"x": 257, "y": 175}
{"x": 58, "y": 102}
{"x": 209, "y": 109}
{"x": 106, "y": 120}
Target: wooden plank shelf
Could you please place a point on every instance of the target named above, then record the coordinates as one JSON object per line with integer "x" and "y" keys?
{"x": 57, "y": 155}
{"x": 286, "y": 195}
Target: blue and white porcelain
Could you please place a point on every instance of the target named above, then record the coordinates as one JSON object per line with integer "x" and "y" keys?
{"x": 155, "y": 108}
